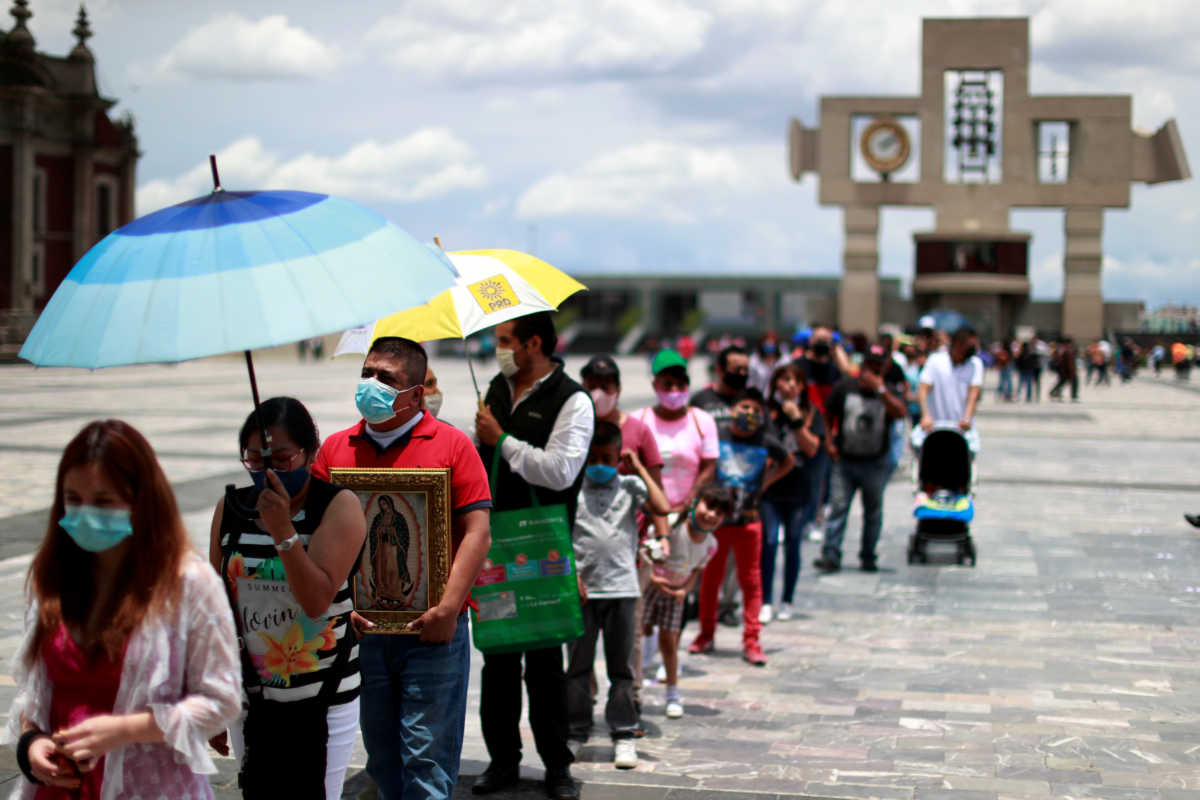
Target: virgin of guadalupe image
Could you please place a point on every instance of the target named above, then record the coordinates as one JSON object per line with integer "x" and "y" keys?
{"x": 389, "y": 539}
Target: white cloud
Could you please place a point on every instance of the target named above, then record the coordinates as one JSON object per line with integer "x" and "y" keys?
{"x": 475, "y": 41}
{"x": 428, "y": 163}
{"x": 232, "y": 47}
{"x": 669, "y": 181}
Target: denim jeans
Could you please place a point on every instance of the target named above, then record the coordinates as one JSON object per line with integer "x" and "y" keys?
{"x": 791, "y": 516}
{"x": 414, "y": 706}
{"x": 1025, "y": 386}
{"x": 819, "y": 470}
{"x": 612, "y": 618}
{"x": 849, "y": 476}
{"x": 1005, "y": 387}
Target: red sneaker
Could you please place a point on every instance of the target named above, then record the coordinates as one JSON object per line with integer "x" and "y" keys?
{"x": 702, "y": 644}
{"x": 753, "y": 654}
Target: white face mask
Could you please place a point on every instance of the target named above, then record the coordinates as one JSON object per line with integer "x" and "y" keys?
{"x": 605, "y": 402}
{"x": 433, "y": 403}
{"x": 507, "y": 360}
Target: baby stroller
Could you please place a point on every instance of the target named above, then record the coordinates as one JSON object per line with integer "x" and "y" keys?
{"x": 944, "y": 508}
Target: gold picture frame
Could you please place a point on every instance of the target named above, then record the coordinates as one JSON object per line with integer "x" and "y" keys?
{"x": 406, "y": 558}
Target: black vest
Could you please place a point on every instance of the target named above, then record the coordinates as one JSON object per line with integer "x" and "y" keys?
{"x": 532, "y": 423}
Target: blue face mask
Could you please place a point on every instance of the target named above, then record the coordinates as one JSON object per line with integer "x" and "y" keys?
{"x": 293, "y": 480}
{"x": 600, "y": 473}
{"x": 375, "y": 399}
{"x": 96, "y": 529}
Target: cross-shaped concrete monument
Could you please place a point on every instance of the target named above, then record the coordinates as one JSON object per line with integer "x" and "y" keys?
{"x": 974, "y": 146}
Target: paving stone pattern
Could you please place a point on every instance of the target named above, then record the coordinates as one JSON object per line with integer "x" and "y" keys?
{"x": 1063, "y": 665}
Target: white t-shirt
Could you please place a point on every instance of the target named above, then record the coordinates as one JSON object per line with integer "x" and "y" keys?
{"x": 686, "y": 553}
{"x": 948, "y": 398}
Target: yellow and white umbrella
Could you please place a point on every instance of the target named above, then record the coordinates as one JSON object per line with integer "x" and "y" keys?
{"x": 493, "y": 286}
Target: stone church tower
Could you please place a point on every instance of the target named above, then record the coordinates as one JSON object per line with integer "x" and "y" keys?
{"x": 67, "y": 170}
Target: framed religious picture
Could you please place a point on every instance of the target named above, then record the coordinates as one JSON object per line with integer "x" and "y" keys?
{"x": 406, "y": 558}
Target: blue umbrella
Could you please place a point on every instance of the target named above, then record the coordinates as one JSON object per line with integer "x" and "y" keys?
{"x": 232, "y": 271}
{"x": 946, "y": 319}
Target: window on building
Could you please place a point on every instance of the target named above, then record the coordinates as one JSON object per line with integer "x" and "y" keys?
{"x": 1054, "y": 152}
{"x": 106, "y": 209}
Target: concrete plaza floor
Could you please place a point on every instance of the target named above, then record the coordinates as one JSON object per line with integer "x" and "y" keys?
{"x": 1065, "y": 664}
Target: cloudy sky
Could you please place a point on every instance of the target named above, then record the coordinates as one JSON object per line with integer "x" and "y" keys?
{"x": 608, "y": 135}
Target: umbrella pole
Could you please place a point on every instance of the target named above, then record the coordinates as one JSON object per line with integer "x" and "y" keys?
{"x": 471, "y": 367}
{"x": 262, "y": 428}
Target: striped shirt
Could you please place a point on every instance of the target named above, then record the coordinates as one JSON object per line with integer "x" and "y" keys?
{"x": 293, "y": 660}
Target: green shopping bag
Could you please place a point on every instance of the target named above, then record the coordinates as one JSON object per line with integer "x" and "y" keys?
{"x": 527, "y": 596}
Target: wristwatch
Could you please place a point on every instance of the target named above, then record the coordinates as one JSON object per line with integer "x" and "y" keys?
{"x": 288, "y": 543}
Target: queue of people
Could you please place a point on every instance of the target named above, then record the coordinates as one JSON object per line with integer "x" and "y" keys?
{"x": 139, "y": 655}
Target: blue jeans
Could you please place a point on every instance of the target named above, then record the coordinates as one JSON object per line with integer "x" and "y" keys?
{"x": 899, "y": 438}
{"x": 792, "y": 516}
{"x": 1005, "y": 388}
{"x": 1025, "y": 386}
{"x": 414, "y": 707}
{"x": 869, "y": 477}
{"x": 819, "y": 470}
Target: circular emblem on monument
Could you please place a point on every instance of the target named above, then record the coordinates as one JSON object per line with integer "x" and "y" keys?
{"x": 885, "y": 145}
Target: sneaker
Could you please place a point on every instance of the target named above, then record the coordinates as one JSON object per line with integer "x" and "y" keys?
{"x": 784, "y": 613}
{"x": 765, "y": 615}
{"x": 625, "y": 754}
{"x": 869, "y": 566}
{"x": 674, "y": 709}
{"x": 702, "y": 644}
{"x": 753, "y": 654}
{"x": 660, "y": 674}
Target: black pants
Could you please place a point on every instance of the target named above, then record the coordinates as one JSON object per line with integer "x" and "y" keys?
{"x": 1064, "y": 380}
{"x": 612, "y": 618}
{"x": 500, "y": 706}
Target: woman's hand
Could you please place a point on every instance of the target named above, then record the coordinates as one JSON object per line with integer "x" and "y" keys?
{"x": 89, "y": 741}
{"x": 360, "y": 623}
{"x": 791, "y": 408}
{"x": 274, "y": 508}
{"x": 50, "y": 766}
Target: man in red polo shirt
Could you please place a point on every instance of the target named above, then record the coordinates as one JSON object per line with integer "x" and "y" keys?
{"x": 414, "y": 690}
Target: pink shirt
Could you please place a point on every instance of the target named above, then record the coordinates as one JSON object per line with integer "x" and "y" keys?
{"x": 683, "y": 444}
{"x": 636, "y": 436}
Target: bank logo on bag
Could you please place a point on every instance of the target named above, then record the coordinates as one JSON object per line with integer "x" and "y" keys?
{"x": 526, "y": 595}
{"x": 864, "y": 426}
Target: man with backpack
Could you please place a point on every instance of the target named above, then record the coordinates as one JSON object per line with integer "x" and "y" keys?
{"x": 859, "y": 412}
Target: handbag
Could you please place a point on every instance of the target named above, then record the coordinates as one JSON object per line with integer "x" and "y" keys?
{"x": 527, "y": 594}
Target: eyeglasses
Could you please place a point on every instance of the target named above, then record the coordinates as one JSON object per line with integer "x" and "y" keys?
{"x": 281, "y": 460}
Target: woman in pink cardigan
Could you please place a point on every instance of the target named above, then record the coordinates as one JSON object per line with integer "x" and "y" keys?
{"x": 130, "y": 660}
